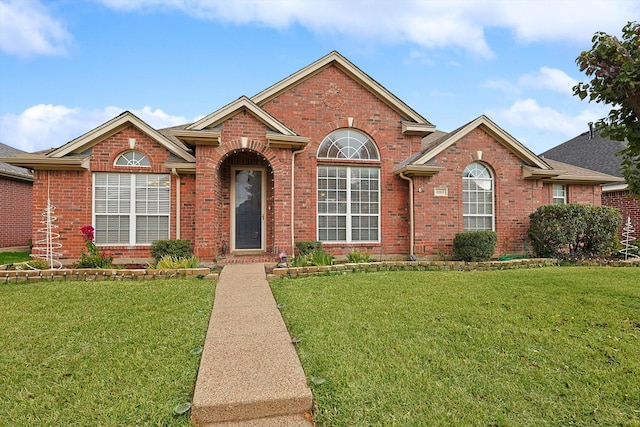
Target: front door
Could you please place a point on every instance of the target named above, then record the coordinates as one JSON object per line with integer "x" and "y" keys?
{"x": 247, "y": 220}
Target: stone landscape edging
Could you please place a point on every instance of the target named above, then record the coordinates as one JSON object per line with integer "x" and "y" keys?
{"x": 293, "y": 272}
{"x": 103, "y": 274}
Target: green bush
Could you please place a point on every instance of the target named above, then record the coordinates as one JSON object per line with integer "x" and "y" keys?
{"x": 579, "y": 230}
{"x": 474, "y": 245}
{"x": 308, "y": 246}
{"x": 172, "y": 247}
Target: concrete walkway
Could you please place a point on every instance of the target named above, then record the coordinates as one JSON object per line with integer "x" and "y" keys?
{"x": 250, "y": 374}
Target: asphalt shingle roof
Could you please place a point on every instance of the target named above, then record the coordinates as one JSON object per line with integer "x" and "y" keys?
{"x": 5, "y": 168}
{"x": 595, "y": 153}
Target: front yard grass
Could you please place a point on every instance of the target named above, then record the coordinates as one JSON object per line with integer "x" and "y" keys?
{"x": 11, "y": 257}
{"x": 100, "y": 353}
{"x": 550, "y": 346}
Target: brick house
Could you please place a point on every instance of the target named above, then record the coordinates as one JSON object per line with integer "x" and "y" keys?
{"x": 16, "y": 187}
{"x": 325, "y": 154}
{"x": 591, "y": 150}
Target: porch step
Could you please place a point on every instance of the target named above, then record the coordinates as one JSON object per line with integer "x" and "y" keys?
{"x": 250, "y": 374}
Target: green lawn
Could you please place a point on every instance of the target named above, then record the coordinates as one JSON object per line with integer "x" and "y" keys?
{"x": 552, "y": 346}
{"x": 10, "y": 257}
{"x": 100, "y": 353}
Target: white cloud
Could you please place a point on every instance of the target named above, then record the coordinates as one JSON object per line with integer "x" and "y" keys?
{"x": 47, "y": 126}
{"x": 430, "y": 24}
{"x": 28, "y": 29}
{"x": 548, "y": 78}
{"x": 527, "y": 113}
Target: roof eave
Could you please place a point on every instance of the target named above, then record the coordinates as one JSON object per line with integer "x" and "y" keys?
{"x": 184, "y": 168}
{"x": 47, "y": 163}
{"x": 418, "y": 170}
{"x": 421, "y": 129}
{"x": 193, "y": 138}
{"x": 293, "y": 142}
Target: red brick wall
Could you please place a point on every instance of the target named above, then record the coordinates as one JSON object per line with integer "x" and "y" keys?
{"x": 318, "y": 106}
{"x": 15, "y": 212}
{"x": 628, "y": 206}
{"x": 438, "y": 219}
{"x": 71, "y": 191}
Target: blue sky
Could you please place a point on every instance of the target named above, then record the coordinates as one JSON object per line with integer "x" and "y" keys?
{"x": 67, "y": 66}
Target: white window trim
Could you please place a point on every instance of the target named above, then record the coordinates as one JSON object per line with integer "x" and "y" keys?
{"x": 132, "y": 210}
{"x": 564, "y": 194}
{"x": 493, "y": 201}
{"x": 348, "y": 214}
{"x": 121, "y": 155}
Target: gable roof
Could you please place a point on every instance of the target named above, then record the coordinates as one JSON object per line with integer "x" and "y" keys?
{"x": 113, "y": 126}
{"x": 591, "y": 151}
{"x": 11, "y": 171}
{"x": 438, "y": 145}
{"x": 414, "y": 122}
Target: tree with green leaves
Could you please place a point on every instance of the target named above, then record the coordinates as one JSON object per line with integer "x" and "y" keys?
{"x": 614, "y": 68}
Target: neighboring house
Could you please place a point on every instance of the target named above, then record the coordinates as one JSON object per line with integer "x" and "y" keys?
{"x": 326, "y": 154}
{"x": 16, "y": 206}
{"x": 592, "y": 151}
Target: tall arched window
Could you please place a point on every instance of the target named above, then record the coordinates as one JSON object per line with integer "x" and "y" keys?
{"x": 477, "y": 198}
{"x": 348, "y": 193}
{"x": 132, "y": 158}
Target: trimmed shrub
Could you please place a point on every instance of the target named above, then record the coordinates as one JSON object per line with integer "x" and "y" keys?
{"x": 474, "y": 245}
{"x": 172, "y": 247}
{"x": 575, "y": 229}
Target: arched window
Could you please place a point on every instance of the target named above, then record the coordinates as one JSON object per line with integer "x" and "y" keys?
{"x": 132, "y": 158}
{"x": 348, "y": 144}
{"x": 348, "y": 194}
{"x": 477, "y": 198}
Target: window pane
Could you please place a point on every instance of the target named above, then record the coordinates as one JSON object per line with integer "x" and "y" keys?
{"x": 477, "y": 200}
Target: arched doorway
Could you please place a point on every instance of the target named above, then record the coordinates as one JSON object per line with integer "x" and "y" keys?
{"x": 247, "y": 202}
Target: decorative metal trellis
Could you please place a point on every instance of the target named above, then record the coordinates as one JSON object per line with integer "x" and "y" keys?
{"x": 628, "y": 238}
{"x": 47, "y": 247}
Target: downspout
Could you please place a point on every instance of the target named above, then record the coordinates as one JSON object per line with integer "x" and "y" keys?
{"x": 175, "y": 173}
{"x": 411, "y": 221}
{"x": 293, "y": 193}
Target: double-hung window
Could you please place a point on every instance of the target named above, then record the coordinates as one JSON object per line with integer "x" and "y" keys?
{"x": 477, "y": 198}
{"x": 348, "y": 194}
{"x": 130, "y": 208}
{"x": 559, "y": 194}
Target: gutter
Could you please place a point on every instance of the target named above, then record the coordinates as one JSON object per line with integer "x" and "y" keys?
{"x": 293, "y": 192}
{"x": 411, "y": 219}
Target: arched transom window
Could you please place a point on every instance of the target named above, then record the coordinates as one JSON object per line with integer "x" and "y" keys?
{"x": 348, "y": 197}
{"x": 132, "y": 158}
{"x": 477, "y": 197}
{"x": 348, "y": 144}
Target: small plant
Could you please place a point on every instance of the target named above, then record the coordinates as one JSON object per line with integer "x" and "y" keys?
{"x": 174, "y": 247}
{"x": 320, "y": 257}
{"x": 356, "y": 256}
{"x": 94, "y": 259}
{"x": 474, "y": 245}
{"x": 316, "y": 257}
{"x": 175, "y": 262}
